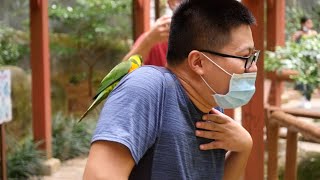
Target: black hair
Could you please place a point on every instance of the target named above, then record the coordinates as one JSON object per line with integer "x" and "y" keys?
{"x": 204, "y": 24}
{"x": 304, "y": 19}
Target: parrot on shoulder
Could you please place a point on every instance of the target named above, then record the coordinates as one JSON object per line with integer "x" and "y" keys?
{"x": 110, "y": 81}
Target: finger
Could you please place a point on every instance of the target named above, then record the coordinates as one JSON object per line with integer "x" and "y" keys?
{"x": 211, "y": 126}
{"x": 209, "y": 134}
{"x": 212, "y": 145}
{"x": 165, "y": 21}
{"x": 215, "y": 111}
{"x": 217, "y": 118}
{"x": 164, "y": 35}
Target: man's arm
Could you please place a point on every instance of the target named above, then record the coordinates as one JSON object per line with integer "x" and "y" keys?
{"x": 157, "y": 34}
{"x": 108, "y": 160}
{"x": 235, "y": 165}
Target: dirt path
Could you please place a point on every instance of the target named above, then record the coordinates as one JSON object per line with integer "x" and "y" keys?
{"x": 69, "y": 170}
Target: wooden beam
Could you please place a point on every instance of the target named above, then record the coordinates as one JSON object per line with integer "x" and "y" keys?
{"x": 3, "y": 150}
{"x": 275, "y": 23}
{"x": 157, "y": 5}
{"x": 272, "y": 146}
{"x": 291, "y": 156}
{"x": 140, "y": 17}
{"x": 40, "y": 65}
{"x": 253, "y": 113}
{"x": 275, "y": 37}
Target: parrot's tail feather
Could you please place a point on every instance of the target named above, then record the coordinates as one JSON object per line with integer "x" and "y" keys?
{"x": 84, "y": 115}
{"x": 92, "y": 106}
{"x": 100, "y": 97}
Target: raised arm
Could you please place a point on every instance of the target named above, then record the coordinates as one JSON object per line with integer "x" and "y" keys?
{"x": 157, "y": 34}
{"x": 108, "y": 160}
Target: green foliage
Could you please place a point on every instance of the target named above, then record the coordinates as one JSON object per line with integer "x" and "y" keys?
{"x": 308, "y": 168}
{"x": 11, "y": 50}
{"x": 303, "y": 57}
{"x": 21, "y": 107}
{"x": 24, "y": 160}
{"x": 70, "y": 139}
{"x": 89, "y": 32}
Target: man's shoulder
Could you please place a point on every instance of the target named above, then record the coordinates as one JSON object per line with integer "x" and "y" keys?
{"x": 147, "y": 77}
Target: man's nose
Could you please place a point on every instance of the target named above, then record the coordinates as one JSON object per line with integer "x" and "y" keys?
{"x": 252, "y": 68}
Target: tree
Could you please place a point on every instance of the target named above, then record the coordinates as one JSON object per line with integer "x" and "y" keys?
{"x": 90, "y": 31}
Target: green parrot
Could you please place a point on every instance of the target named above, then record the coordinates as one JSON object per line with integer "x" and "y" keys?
{"x": 110, "y": 81}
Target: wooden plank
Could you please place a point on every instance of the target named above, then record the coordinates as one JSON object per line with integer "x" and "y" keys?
{"x": 40, "y": 65}
{"x": 3, "y": 153}
{"x": 275, "y": 23}
{"x": 140, "y": 17}
{"x": 296, "y": 112}
{"x": 307, "y": 129}
{"x": 229, "y": 112}
{"x": 157, "y": 5}
{"x": 291, "y": 156}
{"x": 253, "y": 113}
{"x": 272, "y": 147}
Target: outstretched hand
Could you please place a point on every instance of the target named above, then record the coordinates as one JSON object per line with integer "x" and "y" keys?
{"x": 225, "y": 133}
{"x": 160, "y": 30}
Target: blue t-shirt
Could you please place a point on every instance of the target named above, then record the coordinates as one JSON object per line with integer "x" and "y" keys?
{"x": 150, "y": 113}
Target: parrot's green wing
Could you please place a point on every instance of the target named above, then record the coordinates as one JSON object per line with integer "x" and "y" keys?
{"x": 100, "y": 98}
{"x": 118, "y": 72}
{"x": 110, "y": 81}
{"x": 114, "y": 75}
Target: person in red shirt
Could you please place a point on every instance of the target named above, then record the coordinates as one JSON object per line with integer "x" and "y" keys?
{"x": 153, "y": 44}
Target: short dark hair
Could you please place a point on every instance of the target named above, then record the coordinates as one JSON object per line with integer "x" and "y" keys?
{"x": 304, "y": 19}
{"x": 204, "y": 24}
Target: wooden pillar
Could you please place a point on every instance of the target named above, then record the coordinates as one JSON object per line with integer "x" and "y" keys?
{"x": 275, "y": 37}
{"x": 157, "y": 8}
{"x": 291, "y": 156}
{"x": 140, "y": 17}
{"x": 272, "y": 146}
{"x": 40, "y": 65}
{"x": 3, "y": 159}
{"x": 275, "y": 23}
{"x": 253, "y": 113}
{"x": 229, "y": 112}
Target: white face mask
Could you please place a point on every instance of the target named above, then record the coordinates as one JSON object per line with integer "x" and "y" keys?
{"x": 241, "y": 89}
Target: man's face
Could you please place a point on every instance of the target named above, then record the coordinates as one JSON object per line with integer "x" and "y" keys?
{"x": 309, "y": 24}
{"x": 241, "y": 44}
{"x": 173, "y": 4}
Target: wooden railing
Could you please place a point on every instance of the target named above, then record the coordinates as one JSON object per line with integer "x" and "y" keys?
{"x": 275, "y": 118}
{"x": 294, "y": 125}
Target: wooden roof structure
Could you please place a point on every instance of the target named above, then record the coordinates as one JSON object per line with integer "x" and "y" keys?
{"x": 252, "y": 114}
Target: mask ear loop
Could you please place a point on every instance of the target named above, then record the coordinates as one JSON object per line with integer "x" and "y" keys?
{"x": 208, "y": 85}
{"x": 216, "y": 64}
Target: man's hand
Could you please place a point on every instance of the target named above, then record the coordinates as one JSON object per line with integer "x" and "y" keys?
{"x": 160, "y": 30}
{"x": 226, "y": 133}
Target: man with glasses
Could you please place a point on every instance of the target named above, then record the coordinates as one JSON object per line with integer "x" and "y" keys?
{"x": 166, "y": 123}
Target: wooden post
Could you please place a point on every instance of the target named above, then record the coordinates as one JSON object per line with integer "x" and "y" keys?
{"x": 3, "y": 153}
{"x": 291, "y": 156}
{"x": 253, "y": 113}
{"x": 157, "y": 8}
{"x": 272, "y": 146}
{"x": 229, "y": 112}
{"x": 40, "y": 65}
{"x": 140, "y": 17}
{"x": 275, "y": 37}
{"x": 275, "y": 23}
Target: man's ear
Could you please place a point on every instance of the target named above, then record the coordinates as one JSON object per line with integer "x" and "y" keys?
{"x": 195, "y": 62}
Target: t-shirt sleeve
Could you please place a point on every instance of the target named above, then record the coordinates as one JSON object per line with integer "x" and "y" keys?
{"x": 131, "y": 115}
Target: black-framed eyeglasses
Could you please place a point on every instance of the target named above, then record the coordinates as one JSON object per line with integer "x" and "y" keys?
{"x": 249, "y": 59}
